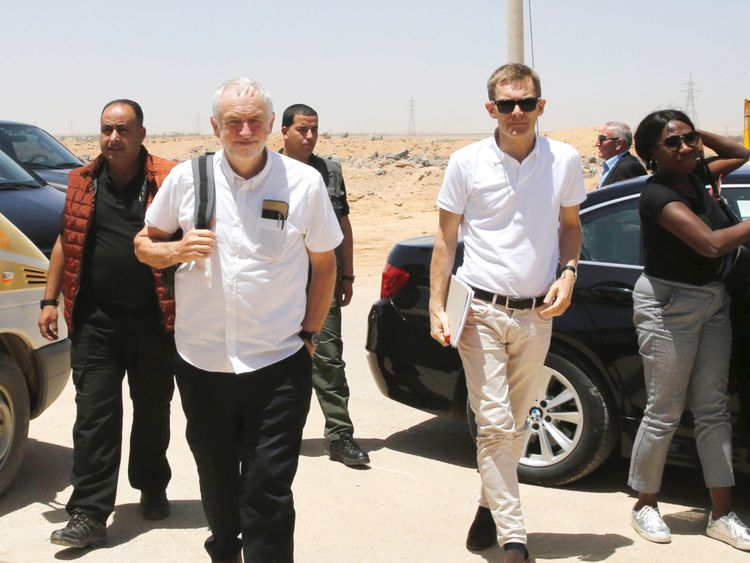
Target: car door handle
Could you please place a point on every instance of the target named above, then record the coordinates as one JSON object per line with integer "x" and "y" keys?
{"x": 612, "y": 292}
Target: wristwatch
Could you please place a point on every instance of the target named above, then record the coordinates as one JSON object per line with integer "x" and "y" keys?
{"x": 569, "y": 268}
{"x": 312, "y": 337}
{"x": 47, "y": 302}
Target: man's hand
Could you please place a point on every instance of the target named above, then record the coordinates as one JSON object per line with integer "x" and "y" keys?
{"x": 48, "y": 323}
{"x": 309, "y": 346}
{"x": 196, "y": 244}
{"x": 440, "y": 326}
{"x": 347, "y": 290}
{"x": 558, "y": 297}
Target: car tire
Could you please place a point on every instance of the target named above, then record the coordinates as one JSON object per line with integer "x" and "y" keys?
{"x": 14, "y": 420}
{"x": 572, "y": 425}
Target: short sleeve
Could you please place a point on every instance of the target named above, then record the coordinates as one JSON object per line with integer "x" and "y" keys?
{"x": 163, "y": 213}
{"x": 453, "y": 195}
{"x": 654, "y": 197}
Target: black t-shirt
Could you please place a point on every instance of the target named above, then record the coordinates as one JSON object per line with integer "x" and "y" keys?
{"x": 112, "y": 277}
{"x": 666, "y": 256}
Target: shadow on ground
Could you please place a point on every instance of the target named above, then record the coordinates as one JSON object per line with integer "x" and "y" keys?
{"x": 128, "y": 524}
{"x": 437, "y": 438}
{"x": 680, "y": 485}
{"x": 583, "y": 547}
{"x": 447, "y": 440}
{"x": 45, "y": 471}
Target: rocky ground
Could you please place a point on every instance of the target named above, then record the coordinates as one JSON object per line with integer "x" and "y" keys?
{"x": 392, "y": 182}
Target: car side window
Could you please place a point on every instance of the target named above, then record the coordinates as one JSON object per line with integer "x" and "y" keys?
{"x": 612, "y": 234}
{"x": 739, "y": 198}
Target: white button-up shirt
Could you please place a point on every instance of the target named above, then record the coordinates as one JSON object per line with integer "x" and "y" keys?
{"x": 241, "y": 309}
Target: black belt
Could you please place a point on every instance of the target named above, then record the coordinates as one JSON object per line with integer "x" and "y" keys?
{"x": 509, "y": 302}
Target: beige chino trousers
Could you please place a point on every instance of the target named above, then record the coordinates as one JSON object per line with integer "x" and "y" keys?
{"x": 503, "y": 351}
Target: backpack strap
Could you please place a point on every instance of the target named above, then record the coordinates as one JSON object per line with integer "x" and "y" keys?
{"x": 205, "y": 190}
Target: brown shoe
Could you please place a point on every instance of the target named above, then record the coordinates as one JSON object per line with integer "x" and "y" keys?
{"x": 482, "y": 533}
{"x": 514, "y": 556}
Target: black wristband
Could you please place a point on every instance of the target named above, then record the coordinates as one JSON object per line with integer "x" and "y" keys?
{"x": 48, "y": 302}
{"x": 344, "y": 277}
{"x": 569, "y": 268}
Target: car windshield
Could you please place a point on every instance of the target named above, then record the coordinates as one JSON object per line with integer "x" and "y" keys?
{"x": 35, "y": 148}
{"x": 12, "y": 175}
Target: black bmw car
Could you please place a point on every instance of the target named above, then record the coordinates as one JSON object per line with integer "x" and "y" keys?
{"x": 591, "y": 393}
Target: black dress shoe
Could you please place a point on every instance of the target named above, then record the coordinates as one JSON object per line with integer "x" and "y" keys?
{"x": 154, "y": 506}
{"x": 482, "y": 533}
{"x": 80, "y": 531}
{"x": 347, "y": 451}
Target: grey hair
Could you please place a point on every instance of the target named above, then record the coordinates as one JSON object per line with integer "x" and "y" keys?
{"x": 241, "y": 87}
{"x": 622, "y": 131}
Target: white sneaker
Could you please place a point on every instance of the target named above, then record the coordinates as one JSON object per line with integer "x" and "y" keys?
{"x": 648, "y": 523}
{"x": 729, "y": 529}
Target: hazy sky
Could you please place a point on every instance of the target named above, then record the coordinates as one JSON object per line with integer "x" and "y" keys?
{"x": 359, "y": 63}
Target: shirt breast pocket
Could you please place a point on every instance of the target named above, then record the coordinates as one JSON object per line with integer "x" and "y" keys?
{"x": 272, "y": 235}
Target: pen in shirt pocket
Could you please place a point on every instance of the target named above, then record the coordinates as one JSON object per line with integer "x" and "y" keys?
{"x": 275, "y": 210}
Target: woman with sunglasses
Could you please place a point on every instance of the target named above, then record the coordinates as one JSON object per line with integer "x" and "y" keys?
{"x": 682, "y": 317}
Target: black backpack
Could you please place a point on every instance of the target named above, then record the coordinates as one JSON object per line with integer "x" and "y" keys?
{"x": 205, "y": 208}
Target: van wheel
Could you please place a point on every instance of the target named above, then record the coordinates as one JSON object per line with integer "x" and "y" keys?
{"x": 14, "y": 420}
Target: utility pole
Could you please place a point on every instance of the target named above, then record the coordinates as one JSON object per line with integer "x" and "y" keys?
{"x": 514, "y": 14}
{"x": 412, "y": 129}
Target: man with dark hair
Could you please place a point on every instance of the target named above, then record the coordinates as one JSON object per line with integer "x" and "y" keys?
{"x": 614, "y": 141}
{"x": 515, "y": 198}
{"x": 120, "y": 320}
{"x": 299, "y": 128}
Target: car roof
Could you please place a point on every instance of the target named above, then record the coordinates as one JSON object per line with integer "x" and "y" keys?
{"x": 635, "y": 185}
{"x": 9, "y": 122}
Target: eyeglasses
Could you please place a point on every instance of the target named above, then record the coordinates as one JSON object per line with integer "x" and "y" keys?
{"x": 674, "y": 142}
{"x": 507, "y": 106}
{"x": 604, "y": 138}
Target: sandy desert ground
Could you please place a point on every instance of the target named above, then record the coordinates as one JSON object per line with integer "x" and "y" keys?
{"x": 392, "y": 181}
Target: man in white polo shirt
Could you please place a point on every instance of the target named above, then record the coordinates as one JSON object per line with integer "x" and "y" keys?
{"x": 515, "y": 198}
{"x": 246, "y": 327}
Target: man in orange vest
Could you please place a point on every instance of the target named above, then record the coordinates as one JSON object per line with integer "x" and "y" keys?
{"x": 120, "y": 320}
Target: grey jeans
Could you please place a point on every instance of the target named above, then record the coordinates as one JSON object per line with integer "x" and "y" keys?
{"x": 685, "y": 340}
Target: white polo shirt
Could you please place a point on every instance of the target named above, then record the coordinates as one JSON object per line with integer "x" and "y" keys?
{"x": 511, "y": 212}
{"x": 241, "y": 309}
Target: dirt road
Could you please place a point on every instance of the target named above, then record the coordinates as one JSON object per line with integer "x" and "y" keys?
{"x": 413, "y": 505}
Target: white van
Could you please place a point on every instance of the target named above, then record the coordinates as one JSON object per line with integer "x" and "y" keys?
{"x": 33, "y": 371}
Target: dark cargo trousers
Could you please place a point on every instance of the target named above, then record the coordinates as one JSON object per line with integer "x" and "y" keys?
{"x": 329, "y": 378}
{"x": 106, "y": 345}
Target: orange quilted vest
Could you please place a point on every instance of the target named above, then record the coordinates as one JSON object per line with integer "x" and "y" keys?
{"x": 77, "y": 215}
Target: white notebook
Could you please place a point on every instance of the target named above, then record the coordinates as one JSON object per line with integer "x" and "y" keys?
{"x": 457, "y": 305}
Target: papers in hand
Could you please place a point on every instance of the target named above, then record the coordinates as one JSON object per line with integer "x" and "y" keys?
{"x": 457, "y": 305}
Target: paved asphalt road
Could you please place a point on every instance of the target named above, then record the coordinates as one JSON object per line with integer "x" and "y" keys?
{"x": 413, "y": 505}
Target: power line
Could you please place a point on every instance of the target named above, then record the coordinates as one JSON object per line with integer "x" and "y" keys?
{"x": 690, "y": 100}
{"x": 412, "y": 128}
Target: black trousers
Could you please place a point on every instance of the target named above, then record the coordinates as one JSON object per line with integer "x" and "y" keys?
{"x": 245, "y": 432}
{"x": 105, "y": 346}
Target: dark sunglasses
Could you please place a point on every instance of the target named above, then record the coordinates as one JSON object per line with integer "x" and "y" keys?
{"x": 674, "y": 142}
{"x": 507, "y": 106}
{"x": 603, "y": 138}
